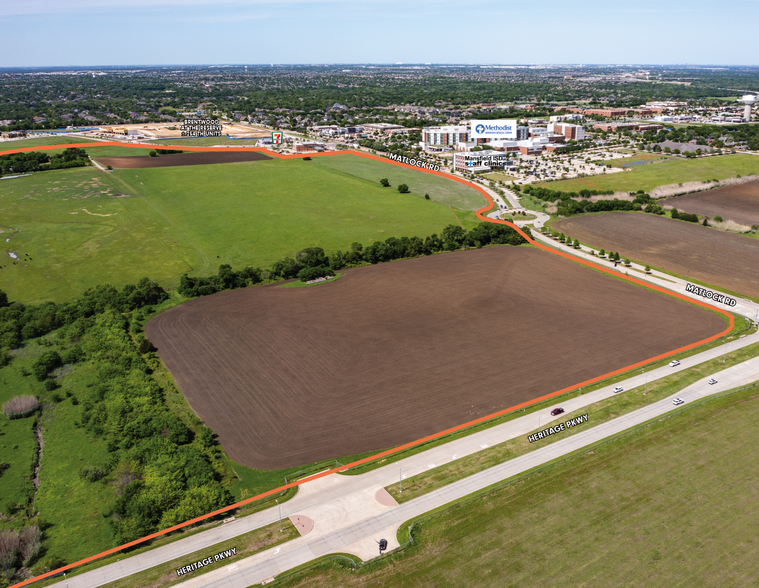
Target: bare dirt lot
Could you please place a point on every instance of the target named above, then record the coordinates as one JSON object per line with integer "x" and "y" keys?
{"x": 739, "y": 203}
{"x": 175, "y": 159}
{"x": 688, "y": 249}
{"x": 390, "y": 353}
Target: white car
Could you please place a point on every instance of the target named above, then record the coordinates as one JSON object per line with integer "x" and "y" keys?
{"x": 678, "y": 401}
{"x": 618, "y": 389}
{"x": 674, "y": 363}
{"x": 712, "y": 381}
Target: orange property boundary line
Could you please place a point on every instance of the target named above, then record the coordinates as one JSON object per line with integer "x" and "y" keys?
{"x": 418, "y": 441}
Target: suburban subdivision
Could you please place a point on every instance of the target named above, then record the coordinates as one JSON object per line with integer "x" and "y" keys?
{"x": 330, "y": 323}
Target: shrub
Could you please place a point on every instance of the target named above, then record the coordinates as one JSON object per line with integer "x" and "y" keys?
{"x": 10, "y": 545}
{"x": 20, "y": 406}
{"x": 51, "y": 384}
{"x": 46, "y": 363}
{"x": 426, "y": 196}
{"x": 31, "y": 542}
{"x": 153, "y": 153}
{"x": 91, "y": 473}
{"x": 403, "y": 189}
{"x": 385, "y": 182}
{"x": 312, "y": 273}
{"x": 718, "y": 218}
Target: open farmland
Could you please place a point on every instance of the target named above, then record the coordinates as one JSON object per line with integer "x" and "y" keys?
{"x": 649, "y": 176}
{"x": 179, "y": 159}
{"x": 390, "y": 353}
{"x": 73, "y": 229}
{"x": 739, "y": 203}
{"x": 702, "y": 253}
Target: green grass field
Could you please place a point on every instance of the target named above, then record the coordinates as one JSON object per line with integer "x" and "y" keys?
{"x": 73, "y": 233}
{"x": 648, "y": 177}
{"x": 669, "y": 505}
{"x": 21, "y": 143}
{"x": 649, "y": 158}
{"x": 440, "y": 189}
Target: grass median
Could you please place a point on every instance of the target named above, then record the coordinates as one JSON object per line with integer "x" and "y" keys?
{"x": 244, "y": 545}
{"x": 598, "y": 413}
{"x": 670, "y": 504}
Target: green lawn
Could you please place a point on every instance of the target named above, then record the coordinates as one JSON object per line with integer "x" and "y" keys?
{"x": 672, "y": 504}
{"x": 20, "y": 144}
{"x": 648, "y": 177}
{"x": 440, "y": 189}
{"x": 192, "y": 219}
{"x": 649, "y": 158}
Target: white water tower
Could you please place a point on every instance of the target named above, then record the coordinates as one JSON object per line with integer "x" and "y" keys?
{"x": 749, "y": 100}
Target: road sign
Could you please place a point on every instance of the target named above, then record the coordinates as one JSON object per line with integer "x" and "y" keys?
{"x": 276, "y": 138}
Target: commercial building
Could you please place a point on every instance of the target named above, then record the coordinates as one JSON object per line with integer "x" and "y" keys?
{"x": 569, "y": 131}
{"x": 307, "y": 146}
{"x": 608, "y": 111}
{"x": 448, "y": 135}
{"x": 384, "y": 127}
{"x": 561, "y": 117}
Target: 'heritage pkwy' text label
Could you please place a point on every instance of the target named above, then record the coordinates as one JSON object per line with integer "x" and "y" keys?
{"x": 558, "y": 428}
{"x": 206, "y": 561}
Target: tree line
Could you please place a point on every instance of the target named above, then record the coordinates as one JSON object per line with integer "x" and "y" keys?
{"x": 19, "y": 163}
{"x": 162, "y": 473}
{"x": 313, "y": 262}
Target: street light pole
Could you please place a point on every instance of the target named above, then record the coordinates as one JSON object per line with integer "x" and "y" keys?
{"x": 400, "y": 475}
{"x": 280, "y": 514}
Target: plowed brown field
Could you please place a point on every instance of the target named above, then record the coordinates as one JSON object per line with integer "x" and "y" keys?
{"x": 711, "y": 256}
{"x": 739, "y": 203}
{"x": 390, "y": 353}
{"x": 175, "y": 159}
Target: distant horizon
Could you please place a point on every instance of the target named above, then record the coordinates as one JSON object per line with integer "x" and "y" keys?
{"x": 385, "y": 64}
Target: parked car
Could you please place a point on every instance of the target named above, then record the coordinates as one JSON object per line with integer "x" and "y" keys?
{"x": 712, "y": 381}
{"x": 678, "y": 401}
{"x": 674, "y": 363}
{"x": 618, "y": 389}
{"x": 556, "y": 411}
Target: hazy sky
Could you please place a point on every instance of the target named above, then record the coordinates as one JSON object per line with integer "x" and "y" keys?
{"x": 123, "y": 32}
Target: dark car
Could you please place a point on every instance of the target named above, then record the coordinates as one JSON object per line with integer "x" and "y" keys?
{"x": 556, "y": 411}
{"x": 383, "y": 545}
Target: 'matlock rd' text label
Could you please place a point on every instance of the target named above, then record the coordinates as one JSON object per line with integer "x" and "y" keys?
{"x": 206, "y": 561}
{"x": 558, "y": 428}
{"x": 716, "y": 296}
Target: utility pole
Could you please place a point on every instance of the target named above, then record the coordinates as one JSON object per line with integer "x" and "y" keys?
{"x": 280, "y": 514}
{"x": 400, "y": 475}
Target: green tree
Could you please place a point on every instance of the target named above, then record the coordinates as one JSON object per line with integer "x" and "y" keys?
{"x": 403, "y": 189}
{"x": 3, "y": 299}
{"x": 453, "y": 234}
{"x": 46, "y": 363}
{"x": 153, "y": 153}
{"x": 385, "y": 182}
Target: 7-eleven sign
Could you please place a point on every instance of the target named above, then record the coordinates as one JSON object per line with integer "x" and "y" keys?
{"x": 276, "y": 138}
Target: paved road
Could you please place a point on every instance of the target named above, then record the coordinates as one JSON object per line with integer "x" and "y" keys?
{"x": 384, "y": 524}
{"x": 344, "y": 507}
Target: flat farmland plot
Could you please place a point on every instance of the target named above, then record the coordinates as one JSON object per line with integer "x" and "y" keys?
{"x": 739, "y": 203}
{"x": 391, "y": 353}
{"x": 703, "y": 253}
